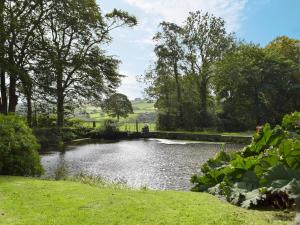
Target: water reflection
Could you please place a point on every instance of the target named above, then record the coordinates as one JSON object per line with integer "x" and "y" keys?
{"x": 156, "y": 164}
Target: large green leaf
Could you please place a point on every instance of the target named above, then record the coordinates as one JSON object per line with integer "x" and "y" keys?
{"x": 244, "y": 163}
{"x": 279, "y": 172}
{"x": 290, "y": 149}
{"x": 265, "y": 173}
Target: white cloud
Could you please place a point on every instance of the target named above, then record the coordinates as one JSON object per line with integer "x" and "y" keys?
{"x": 177, "y": 10}
{"x": 130, "y": 86}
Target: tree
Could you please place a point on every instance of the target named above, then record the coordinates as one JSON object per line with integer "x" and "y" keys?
{"x": 180, "y": 79}
{"x": 206, "y": 42}
{"x": 72, "y": 63}
{"x": 289, "y": 49}
{"x": 118, "y": 106}
{"x": 254, "y": 87}
{"x": 170, "y": 54}
{"x": 19, "y": 23}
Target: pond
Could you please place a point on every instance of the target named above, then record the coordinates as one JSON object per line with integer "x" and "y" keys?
{"x": 152, "y": 163}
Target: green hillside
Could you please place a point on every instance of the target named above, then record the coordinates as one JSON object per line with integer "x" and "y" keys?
{"x": 144, "y": 112}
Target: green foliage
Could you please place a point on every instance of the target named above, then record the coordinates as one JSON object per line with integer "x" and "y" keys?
{"x": 109, "y": 127}
{"x": 292, "y": 121}
{"x": 118, "y": 105}
{"x": 256, "y": 86}
{"x": 252, "y": 85}
{"x": 264, "y": 174}
{"x": 56, "y": 53}
{"x": 49, "y": 137}
{"x": 18, "y": 148}
{"x": 180, "y": 79}
{"x": 108, "y": 131}
{"x": 45, "y": 120}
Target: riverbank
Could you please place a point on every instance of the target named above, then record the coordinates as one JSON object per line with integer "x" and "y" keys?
{"x": 29, "y": 201}
{"x": 54, "y": 137}
{"x": 238, "y": 139}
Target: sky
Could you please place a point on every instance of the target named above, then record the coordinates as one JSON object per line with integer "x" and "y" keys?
{"x": 257, "y": 21}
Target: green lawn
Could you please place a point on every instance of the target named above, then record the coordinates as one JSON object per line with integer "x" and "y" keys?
{"x": 25, "y": 201}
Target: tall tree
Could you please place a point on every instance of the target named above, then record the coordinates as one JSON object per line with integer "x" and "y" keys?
{"x": 254, "y": 87}
{"x": 207, "y": 41}
{"x": 118, "y": 105}
{"x": 170, "y": 55}
{"x": 72, "y": 60}
{"x": 20, "y": 21}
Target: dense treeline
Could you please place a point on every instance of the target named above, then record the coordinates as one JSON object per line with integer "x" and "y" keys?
{"x": 52, "y": 53}
{"x": 204, "y": 78}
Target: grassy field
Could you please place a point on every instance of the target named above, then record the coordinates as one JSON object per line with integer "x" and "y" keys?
{"x": 25, "y": 201}
{"x": 142, "y": 107}
{"x": 125, "y": 124}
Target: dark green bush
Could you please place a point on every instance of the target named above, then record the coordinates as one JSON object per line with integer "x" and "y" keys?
{"x": 52, "y": 136}
{"x": 48, "y": 136}
{"x": 18, "y": 148}
{"x": 45, "y": 120}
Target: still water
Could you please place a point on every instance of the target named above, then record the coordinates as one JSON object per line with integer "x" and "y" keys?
{"x": 153, "y": 163}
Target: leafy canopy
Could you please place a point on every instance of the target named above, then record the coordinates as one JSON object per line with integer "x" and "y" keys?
{"x": 118, "y": 105}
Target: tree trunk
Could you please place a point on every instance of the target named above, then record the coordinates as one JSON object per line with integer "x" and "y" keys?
{"x": 60, "y": 110}
{"x": 3, "y": 98}
{"x": 203, "y": 96}
{"x": 3, "y": 92}
{"x": 179, "y": 99}
{"x": 60, "y": 100}
{"x": 203, "y": 86}
{"x": 13, "y": 98}
{"x": 29, "y": 109}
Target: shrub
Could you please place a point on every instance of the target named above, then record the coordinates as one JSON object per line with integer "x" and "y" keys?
{"x": 264, "y": 174}
{"x": 109, "y": 127}
{"x": 74, "y": 122}
{"x": 54, "y": 137}
{"x": 18, "y": 148}
{"x": 108, "y": 131}
{"x": 292, "y": 121}
{"x": 46, "y": 120}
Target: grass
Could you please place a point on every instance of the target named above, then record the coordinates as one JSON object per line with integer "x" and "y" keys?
{"x": 26, "y": 201}
{"x": 125, "y": 124}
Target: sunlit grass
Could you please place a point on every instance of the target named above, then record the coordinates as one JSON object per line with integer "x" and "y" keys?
{"x": 39, "y": 202}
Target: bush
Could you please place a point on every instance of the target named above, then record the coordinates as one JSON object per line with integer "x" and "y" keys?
{"x": 264, "y": 174}
{"x": 54, "y": 137}
{"x": 45, "y": 120}
{"x": 18, "y": 148}
{"x": 74, "y": 123}
{"x": 108, "y": 131}
{"x": 109, "y": 127}
{"x": 292, "y": 121}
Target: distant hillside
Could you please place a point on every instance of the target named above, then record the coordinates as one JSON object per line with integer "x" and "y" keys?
{"x": 144, "y": 112}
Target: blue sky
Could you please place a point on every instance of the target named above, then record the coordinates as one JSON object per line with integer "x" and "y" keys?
{"x": 257, "y": 21}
